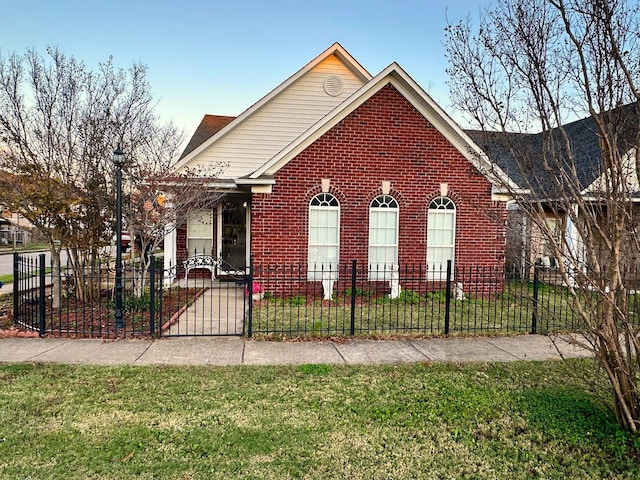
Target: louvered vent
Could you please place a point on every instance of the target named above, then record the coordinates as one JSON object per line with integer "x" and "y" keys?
{"x": 333, "y": 85}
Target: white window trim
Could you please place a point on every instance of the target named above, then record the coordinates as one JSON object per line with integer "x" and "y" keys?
{"x": 329, "y": 203}
{"x": 197, "y": 216}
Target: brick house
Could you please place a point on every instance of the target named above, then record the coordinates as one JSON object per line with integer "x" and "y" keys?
{"x": 334, "y": 165}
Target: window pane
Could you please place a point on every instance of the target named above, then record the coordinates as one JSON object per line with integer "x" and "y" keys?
{"x": 200, "y": 232}
{"x": 383, "y": 237}
{"x": 199, "y": 246}
{"x": 324, "y": 235}
{"x": 440, "y": 235}
{"x": 200, "y": 224}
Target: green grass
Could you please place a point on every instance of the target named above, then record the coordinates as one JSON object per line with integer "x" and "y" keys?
{"x": 31, "y": 247}
{"x": 504, "y": 421}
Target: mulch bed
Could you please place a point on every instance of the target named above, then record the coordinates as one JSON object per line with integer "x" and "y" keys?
{"x": 97, "y": 320}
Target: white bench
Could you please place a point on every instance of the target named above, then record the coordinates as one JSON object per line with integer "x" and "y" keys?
{"x": 201, "y": 261}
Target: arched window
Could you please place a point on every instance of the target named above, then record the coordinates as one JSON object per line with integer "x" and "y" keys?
{"x": 324, "y": 235}
{"x": 383, "y": 236}
{"x": 441, "y": 235}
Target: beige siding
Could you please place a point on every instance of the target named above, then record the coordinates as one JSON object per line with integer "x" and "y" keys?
{"x": 280, "y": 121}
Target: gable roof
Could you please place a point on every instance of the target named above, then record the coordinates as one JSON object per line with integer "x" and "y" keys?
{"x": 264, "y": 151}
{"x": 209, "y": 126}
{"x": 397, "y": 77}
{"x": 254, "y": 123}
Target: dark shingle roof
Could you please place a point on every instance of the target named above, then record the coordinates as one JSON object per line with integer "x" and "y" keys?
{"x": 209, "y": 126}
{"x": 521, "y": 155}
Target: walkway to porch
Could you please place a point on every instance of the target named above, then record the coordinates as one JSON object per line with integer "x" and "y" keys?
{"x": 218, "y": 311}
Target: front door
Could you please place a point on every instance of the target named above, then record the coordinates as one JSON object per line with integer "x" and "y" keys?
{"x": 232, "y": 236}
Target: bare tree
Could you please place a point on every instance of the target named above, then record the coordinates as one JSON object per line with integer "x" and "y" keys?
{"x": 552, "y": 88}
{"x": 163, "y": 198}
{"x": 59, "y": 124}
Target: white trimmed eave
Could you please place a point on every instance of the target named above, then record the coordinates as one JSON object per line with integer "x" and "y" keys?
{"x": 631, "y": 180}
{"x": 397, "y": 77}
{"x": 227, "y": 185}
{"x": 256, "y": 181}
{"x": 258, "y": 185}
{"x": 336, "y": 49}
{"x": 207, "y": 183}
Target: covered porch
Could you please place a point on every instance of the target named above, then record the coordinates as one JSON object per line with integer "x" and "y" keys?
{"x": 213, "y": 240}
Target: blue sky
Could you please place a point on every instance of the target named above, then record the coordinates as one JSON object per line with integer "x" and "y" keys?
{"x": 220, "y": 57}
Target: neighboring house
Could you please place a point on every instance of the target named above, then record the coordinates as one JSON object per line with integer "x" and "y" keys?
{"x": 336, "y": 165}
{"x": 583, "y": 162}
{"x": 15, "y": 230}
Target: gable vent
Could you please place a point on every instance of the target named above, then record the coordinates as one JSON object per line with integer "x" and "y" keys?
{"x": 333, "y": 85}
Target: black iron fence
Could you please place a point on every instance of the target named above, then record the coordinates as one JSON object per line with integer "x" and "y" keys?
{"x": 365, "y": 300}
{"x": 293, "y": 301}
{"x": 80, "y": 302}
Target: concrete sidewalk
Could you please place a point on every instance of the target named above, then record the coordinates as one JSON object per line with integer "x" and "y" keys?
{"x": 241, "y": 351}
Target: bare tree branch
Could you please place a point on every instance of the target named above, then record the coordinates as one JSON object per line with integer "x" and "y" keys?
{"x": 552, "y": 87}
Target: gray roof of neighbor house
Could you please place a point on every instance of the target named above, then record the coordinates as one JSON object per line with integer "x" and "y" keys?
{"x": 521, "y": 155}
{"x": 209, "y": 126}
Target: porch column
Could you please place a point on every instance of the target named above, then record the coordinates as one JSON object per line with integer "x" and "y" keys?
{"x": 574, "y": 260}
{"x": 170, "y": 256}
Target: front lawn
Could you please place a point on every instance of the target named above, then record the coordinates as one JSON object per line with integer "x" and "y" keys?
{"x": 504, "y": 421}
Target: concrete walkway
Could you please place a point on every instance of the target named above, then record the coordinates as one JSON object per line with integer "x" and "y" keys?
{"x": 219, "y": 311}
{"x": 241, "y": 351}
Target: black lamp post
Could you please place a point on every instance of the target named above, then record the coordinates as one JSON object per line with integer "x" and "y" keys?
{"x": 118, "y": 161}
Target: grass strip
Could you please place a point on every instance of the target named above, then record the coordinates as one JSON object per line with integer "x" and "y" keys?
{"x": 501, "y": 421}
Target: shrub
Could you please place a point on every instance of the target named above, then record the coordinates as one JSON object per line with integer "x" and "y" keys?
{"x": 358, "y": 293}
{"x": 406, "y": 296}
{"x": 296, "y": 300}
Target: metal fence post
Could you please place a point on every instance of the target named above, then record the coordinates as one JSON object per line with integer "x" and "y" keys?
{"x": 352, "y": 327}
{"x": 249, "y": 298}
{"x": 152, "y": 295}
{"x": 447, "y": 306}
{"x": 534, "y": 314}
{"x": 16, "y": 288}
{"x": 41, "y": 310}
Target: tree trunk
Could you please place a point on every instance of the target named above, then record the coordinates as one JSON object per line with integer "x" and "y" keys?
{"x": 56, "y": 293}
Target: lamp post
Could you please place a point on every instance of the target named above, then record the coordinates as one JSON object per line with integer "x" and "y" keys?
{"x": 118, "y": 161}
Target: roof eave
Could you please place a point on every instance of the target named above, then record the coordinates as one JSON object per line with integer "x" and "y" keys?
{"x": 264, "y": 180}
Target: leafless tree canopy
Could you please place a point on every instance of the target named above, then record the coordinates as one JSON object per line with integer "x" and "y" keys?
{"x": 550, "y": 88}
{"x": 59, "y": 124}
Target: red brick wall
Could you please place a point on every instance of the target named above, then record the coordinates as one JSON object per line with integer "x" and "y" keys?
{"x": 385, "y": 139}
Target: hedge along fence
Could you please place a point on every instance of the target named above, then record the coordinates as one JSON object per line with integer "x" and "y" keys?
{"x": 364, "y": 300}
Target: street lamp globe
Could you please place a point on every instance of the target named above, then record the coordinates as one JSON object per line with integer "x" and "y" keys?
{"x": 118, "y": 157}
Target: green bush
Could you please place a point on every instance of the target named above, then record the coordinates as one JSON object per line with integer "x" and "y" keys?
{"x": 134, "y": 304}
{"x": 358, "y": 293}
{"x": 406, "y": 296}
{"x": 296, "y": 300}
{"x": 439, "y": 296}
